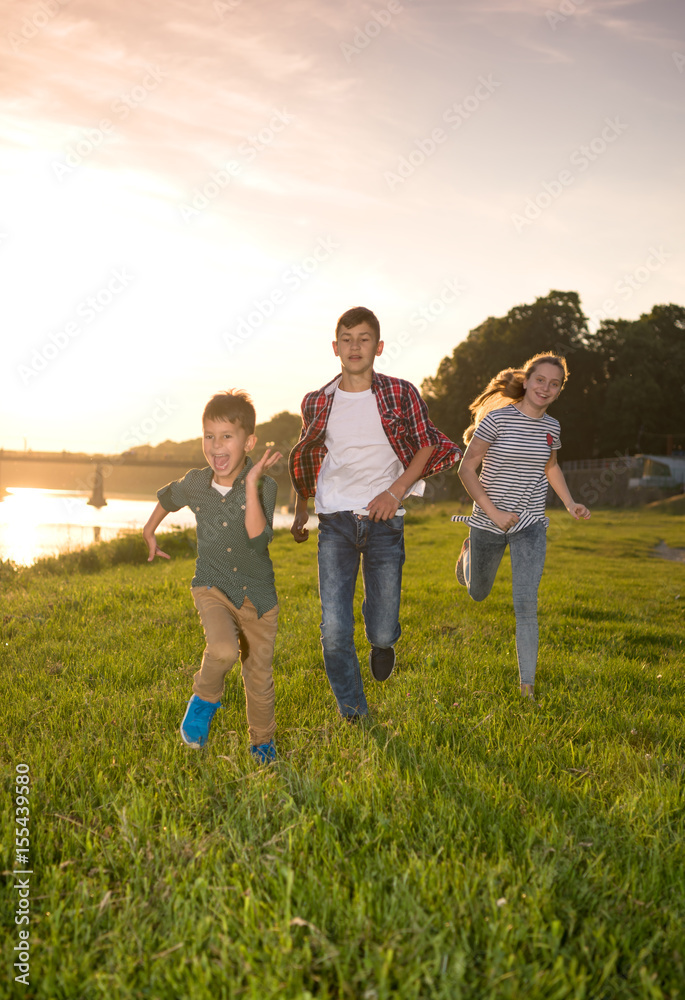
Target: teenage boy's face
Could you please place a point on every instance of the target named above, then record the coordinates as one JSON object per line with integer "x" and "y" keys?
{"x": 225, "y": 444}
{"x": 357, "y": 348}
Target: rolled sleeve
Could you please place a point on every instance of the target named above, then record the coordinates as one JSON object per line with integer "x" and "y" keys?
{"x": 173, "y": 496}
{"x": 424, "y": 433}
{"x": 261, "y": 542}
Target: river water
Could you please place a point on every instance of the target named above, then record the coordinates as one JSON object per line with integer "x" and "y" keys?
{"x": 36, "y": 523}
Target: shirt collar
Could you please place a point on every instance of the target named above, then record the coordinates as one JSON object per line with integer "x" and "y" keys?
{"x": 331, "y": 386}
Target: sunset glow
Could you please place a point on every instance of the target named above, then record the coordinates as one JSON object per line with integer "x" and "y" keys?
{"x": 195, "y": 193}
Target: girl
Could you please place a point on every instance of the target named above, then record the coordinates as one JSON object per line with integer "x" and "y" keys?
{"x": 517, "y": 443}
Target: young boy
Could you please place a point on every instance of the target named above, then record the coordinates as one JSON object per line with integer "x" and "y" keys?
{"x": 233, "y": 587}
{"x": 366, "y": 441}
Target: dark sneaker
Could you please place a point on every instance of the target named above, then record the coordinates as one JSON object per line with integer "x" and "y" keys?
{"x": 197, "y": 720}
{"x": 459, "y": 568}
{"x": 264, "y": 753}
{"x": 381, "y": 662}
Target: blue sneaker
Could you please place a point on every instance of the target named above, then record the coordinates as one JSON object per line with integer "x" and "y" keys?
{"x": 264, "y": 753}
{"x": 197, "y": 720}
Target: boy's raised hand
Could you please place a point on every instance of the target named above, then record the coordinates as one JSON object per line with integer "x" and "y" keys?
{"x": 265, "y": 462}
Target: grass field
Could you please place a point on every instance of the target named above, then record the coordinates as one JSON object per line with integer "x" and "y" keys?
{"x": 460, "y": 843}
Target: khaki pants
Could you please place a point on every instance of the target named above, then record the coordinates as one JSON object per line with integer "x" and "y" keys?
{"x": 233, "y": 633}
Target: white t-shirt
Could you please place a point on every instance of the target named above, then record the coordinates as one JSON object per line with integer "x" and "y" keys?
{"x": 513, "y": 471}
{"x": 360, "y": 462}
{"x": 223, "y": 490}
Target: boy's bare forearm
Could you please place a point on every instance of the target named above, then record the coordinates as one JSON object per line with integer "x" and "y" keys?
{"x": 298, "y": 530}
{"x": 413, "y": 471}
{"x": 255, "y": 520}
{"x": 154, "y": 521}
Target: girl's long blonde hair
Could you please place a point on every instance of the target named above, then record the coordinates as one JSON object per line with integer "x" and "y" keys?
{"x": 507, "y": 386}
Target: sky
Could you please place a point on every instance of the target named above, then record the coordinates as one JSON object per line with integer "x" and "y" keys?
{"x": 193, "y": 192}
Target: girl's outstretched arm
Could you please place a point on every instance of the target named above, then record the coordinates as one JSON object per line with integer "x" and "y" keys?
{"x": 555, "y": 478}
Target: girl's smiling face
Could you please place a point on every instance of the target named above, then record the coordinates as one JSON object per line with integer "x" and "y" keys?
{"x": 543, "y": 385}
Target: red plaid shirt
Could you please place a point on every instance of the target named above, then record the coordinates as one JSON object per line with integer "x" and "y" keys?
{"x": 404, "y": 416}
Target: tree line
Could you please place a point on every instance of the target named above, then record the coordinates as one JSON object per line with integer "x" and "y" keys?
{"x": 626, "y": 388}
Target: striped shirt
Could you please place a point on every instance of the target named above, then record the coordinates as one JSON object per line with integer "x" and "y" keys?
{"x": 513, "y": 469}
{"x": 226, "y": 558}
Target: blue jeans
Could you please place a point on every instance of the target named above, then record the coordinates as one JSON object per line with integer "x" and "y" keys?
{"x": 344, "y": 538}
{"x": 527, "y": 549}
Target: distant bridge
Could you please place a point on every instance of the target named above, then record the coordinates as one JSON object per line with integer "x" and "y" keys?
{"x": 99, "y": 467}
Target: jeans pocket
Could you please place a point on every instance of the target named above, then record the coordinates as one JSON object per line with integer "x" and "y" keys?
{"x": 395, "y": 524}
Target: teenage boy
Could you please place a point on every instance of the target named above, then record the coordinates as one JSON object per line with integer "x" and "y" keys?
{"x": 366, "y": 442}
{"x": 233, "y": 587}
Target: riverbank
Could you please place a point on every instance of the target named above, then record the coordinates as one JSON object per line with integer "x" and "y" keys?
{"x": 37, "y": 524}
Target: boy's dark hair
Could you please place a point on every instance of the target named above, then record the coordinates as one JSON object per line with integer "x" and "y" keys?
{"x": 234, "y": 405}
{"x": 353, "y": 317}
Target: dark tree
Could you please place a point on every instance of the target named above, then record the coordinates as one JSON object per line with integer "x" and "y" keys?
{"x": 553, "y": 323}
{"x": 643, "y": 398}
{"x": 626, "y": 388}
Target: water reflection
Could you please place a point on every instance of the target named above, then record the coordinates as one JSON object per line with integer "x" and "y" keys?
{"x": 36, "y": 523}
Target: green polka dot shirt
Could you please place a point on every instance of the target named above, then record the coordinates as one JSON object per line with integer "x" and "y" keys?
{"x": 226, "y": 558}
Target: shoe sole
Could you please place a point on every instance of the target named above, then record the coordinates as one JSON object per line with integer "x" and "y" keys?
{"x": 459, "y": 568}
{"x": 188, "y": 742}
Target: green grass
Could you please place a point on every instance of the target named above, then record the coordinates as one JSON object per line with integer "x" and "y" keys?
{"x": 460, "y": 843}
